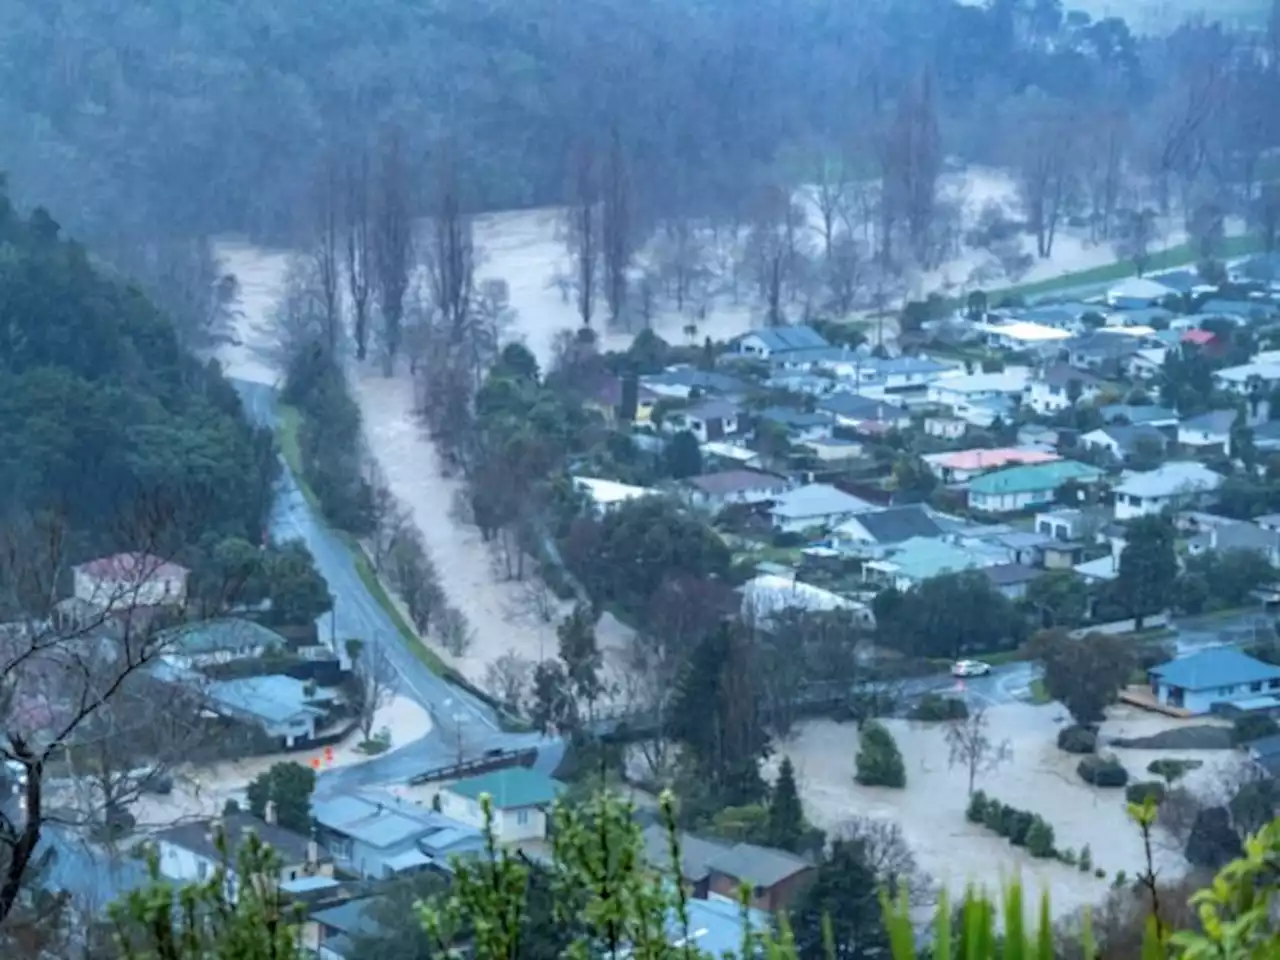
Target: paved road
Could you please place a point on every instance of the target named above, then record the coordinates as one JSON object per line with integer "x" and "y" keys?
{"x": 458, "y": 715}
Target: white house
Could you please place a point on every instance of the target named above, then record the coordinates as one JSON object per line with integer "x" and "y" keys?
{"x": 187, "y": 852}
{"x": 1220, "y": 677}
{"x": 1023, "y": 336}
{"x": 954, "y": 392}
{"x": 715, "y": 491}
{"x": 1209, "y": 431}
{"x": 707, "y": 420}
{"x": 1179, "y": 484}
{"x": 1261, "y": 375}
{"x": 521, "y": 799}
{"x": 771, "y": 341}
{"x": 1059, "y": 387}
{"x": 606, "y": 495}
{"x": 815, "y": 505}
{"x": 1138, "y": 292}
{"x": 767, "y": 595}
{"x": 130, "y": 580}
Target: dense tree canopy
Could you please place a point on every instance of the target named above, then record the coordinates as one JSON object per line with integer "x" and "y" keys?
{"x": 100, "y": 408}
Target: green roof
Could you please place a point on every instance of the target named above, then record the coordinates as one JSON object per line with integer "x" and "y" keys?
{"x": 212, "y": 636}
{"x": 510, "y": 788}
{"x": 923, "y": 557}
{"x": 1033, "y": 477}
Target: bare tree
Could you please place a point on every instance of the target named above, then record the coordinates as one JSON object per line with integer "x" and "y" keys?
{"x": 359, "y": 247}
{"x": 298, "y": 319}
{"x": 392, "y": 236}
{"x": 414, "y": 577}
{"x": 1103, "y": 167}
{"x": 971, "y": 748}
{"x": 617, "y": 226}
{"x": 889, "y": 855}
{"x": 1044, "y": 174}
{"x": 374, "y": 682}
{"x": 911, "y": 166}
{"x": 389, "y": 517}
{"x": 325, "y": 252}
{"x": 583, "y": 230}
{"x": 508, "y": 678}
{"x": 450, "y": 249}
{"x": 454, "y": 630}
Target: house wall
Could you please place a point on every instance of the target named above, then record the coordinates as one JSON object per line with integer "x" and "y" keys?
{"x": 1009, "y": 502}
{"x": 1128, "y": 507}
{"x": 1202, "y": 701}
{"x": 801, "y": 524}
{"x": 945, "y": 429}
{"x": 720, "y": 501}
{"x": 363, "y": 858}
{"x": 510, "y": 826}
{"x": 179, "y": 863}
{"x": 770, "y": 899}
{"x": 155, "y": 591}
{"x": 1201, "y": 438}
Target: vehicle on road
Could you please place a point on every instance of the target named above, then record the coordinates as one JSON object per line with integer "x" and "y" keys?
{"x": 970, "y": 668}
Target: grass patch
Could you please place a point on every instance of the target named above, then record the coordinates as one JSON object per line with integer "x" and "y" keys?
{"x": 1037, "y": 693}
{"x": 288, "y": 423}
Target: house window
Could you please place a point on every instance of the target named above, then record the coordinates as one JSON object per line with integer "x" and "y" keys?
{"x": 202, "y": 870}
{"x": 1255, "y": 687}
{"x": 522, "y": 817}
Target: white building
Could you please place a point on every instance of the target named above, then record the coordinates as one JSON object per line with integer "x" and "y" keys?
{"x": 608, "y": 495}
{"x": 715, "y": 491}
{"x": 1060, "y": 387}
{"x": 1179, "y": 485}
{"x": 815, "y": 505}
{"x": 768, "y": 595}
{"x": 130, "y": 580}
{"x": 1261, "y": 375}
{"x": 1023, "y": 336}
{"x": 956, "y": 392}
{"x": 521, "y": 799}
{"x": 1138, "y": 291}
{"x": 707, "y": 420}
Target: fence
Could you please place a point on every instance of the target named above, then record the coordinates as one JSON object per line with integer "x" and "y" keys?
{"x": 491, "y": 760}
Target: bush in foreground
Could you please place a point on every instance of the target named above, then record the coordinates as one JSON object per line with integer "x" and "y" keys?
{"x": 879, "y": 759}
{"x": 1171, "y": 769}
{"x": 1102, "y": 772}
{"x": 1077, "y": 739}
{"x": 1143, "y": 790}
{"x": 933, "y": 708}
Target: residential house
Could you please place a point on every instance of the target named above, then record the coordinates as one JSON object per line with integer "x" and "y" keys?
{"x": 188, "y": 852}
{"x": 707, "y": 420}
{"x": 1064, "y": 316}
{"x": 679, "y": 383}
{"x": 287, "y": 711}
{"x": 961, "y": 466}
{"x": 1146, "y": 363}
{"x": 1175, "y": 485}
{"x": 1266, "y": 437}
{"x": 812, "y": 359}
{"x": 945, "y": 428}
{"x": 1237, "y": 535}
{"x": 1138, "y": 292}
{"x": 1269, "y": 521}
{"x": 1143, "y": 318}
{"x": 871, "y": 534}
{"x": 716, "y": 927}
{"x": 608, "y": 495}
{"x": 1071, "y": 525}
{"x": 773, "y": 877}
{"x": 955, "y": 392}
{"x": 1033, "y": 485}
{"x": 520, "y": 798}
{"x": 605, "y": 398}
{"x": 208, "y": 642}
{"x": 834, "y": 450}
{"x": 865, "y": 414}
{"x": 1022, "y": 547}
{"x": 1258, "y": 377}
{"x": 1023, "y": 336}
{"x": 333, "y": 931}
{"x": 1242, "y": 311}
{"x": 1124, "y": 442}
{"x": 1148, "y": 415}
{"x": 695, "y": 857}
{"x": 809, "y": 384}
{"x": 1184, "y": 281}
{"x": 1104, "y": 351}
{"x": 1214, "y": 679}
{"x": 921, "y": 558}
{"x": 1208, "y": 433}
{"x": 1200, "y": 339}
{"x": 801, "y": 425}
{"x": 1261, "y": 267}
{"x": 731, "y": 453}
{"x": 769, "y": 342}
{"x": 815, "y": 505}
{"x": 1039, "y": 437}
{"x": 375, "y": 834}
{"x": 1011, "y": 579}
{"x": 904, "y": 374}
{"x": 128, "y": 580}
{"x": 715, "y": 491}
{"x": 767, "y": 595}
{"x": 1060, "y": 387}
{"x": 1100, "y": 570}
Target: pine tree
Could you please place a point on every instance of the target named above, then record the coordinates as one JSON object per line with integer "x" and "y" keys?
{"x": 786, "y": 815}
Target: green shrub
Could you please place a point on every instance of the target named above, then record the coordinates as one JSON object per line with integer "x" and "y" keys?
{"x": 1086, "y": 859}
{"x": 933, "y": 708}
{"x": 1100, "y": 873}
{"x": 1253, "y": 726}
{"x": 1102, "y": 772}
{"x": 1142, "y": 790}
{"x": 977, "y": 807}
{"x": 1077, "y": 739}
{"x": 1020, "y": 826}
{"x": 1171, "y": 770}
{"x": 879, "y": 760}
{"x": 993, "y": 818}
{"x": 1040, "y": 838}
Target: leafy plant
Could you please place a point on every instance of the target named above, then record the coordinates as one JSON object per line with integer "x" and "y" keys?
{"x": 879, "y": 761}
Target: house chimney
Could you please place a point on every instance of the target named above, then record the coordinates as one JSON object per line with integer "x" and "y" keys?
{"x": 313, "y": 852}
{"x": 269, "y": 813}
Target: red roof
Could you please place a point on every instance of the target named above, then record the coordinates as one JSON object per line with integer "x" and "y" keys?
{"x": 1198, "y": 337}
{"x": 132, "y": 566}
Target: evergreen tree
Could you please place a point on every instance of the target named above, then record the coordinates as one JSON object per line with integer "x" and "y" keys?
{"x": 289, "y": 786}
{"x": 840, "y": 915}
{"x": 786, "y": 815}
{"x": 683, "y": 456}
{"x": 580, "y": 654}
{"x": 879, "y": 760}
{"x": 1148, "y": 568}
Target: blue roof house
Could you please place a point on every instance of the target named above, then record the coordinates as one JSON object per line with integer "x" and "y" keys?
{"x": 771, "y": 341}
{"x": 1218, "y": 680}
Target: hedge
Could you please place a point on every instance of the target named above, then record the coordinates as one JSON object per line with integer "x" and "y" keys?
{"x": 1077, "y": 739}
{"x": 1102, "y": 772}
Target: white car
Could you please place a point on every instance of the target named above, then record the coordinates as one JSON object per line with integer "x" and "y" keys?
{"x": 970, "y": 668}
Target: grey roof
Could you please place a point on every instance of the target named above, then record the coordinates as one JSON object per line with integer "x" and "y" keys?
{"x": 1008, "y": 574}
{"x": 906, "y": 365}
{"x": 787, "y": 337}
{"x": 707, "y": 380}
{"x": 712, "y": 409}
{"x": 1217, "y": 667}
{"x": 1171, "y": 478}
{"x": 211, "y": 636}
{"x": 198, "y": 836}
{"x": 1215, "y": 421}
{"x": 856, "y": 406}
{"x": 796, "y": 419}
{"x": 352, "y": 918}
{"x": 274, "y": 699}
{"x": 378, "y": 819}
{"x": 1136, "y": 414}
{"x": 817, "y": 500}
{"x": 1265, "y": 746}
{"x": 1062, "y": 375}
{"x": 695, "y": 852}
{"x": 1243, "y": 536}
{"x": 731, "y": 481}
{"x": 758, "y": 866}
{"x": 897, "y": 524}
{"x": 1101, "y": 344}
{"x": 811, "y": 355}
{"x": 1237, "y": 308}
{"x": 1180, "y": 280}
{"x": 1128, "y": 437}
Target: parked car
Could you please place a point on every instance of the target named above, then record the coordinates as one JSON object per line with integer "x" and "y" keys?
{"x": 970, "y": 668}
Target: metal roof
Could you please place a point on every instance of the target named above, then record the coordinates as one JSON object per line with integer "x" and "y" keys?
{"x": 1211, "y": 669}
